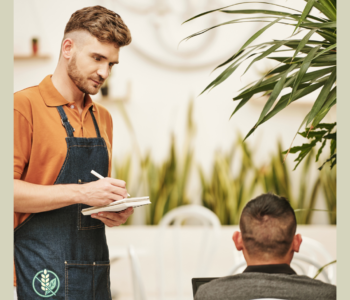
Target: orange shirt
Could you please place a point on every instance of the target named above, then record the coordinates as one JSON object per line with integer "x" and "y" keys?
{"x": 39, "y": 137}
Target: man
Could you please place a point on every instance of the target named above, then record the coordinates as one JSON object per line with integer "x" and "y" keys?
{"x": 268, "y": 242}
{"x": 60, "y": 136}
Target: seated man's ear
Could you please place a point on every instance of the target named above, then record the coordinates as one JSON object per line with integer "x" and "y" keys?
{"x": 296, "y": 242}
{"x": 237, "y": 239}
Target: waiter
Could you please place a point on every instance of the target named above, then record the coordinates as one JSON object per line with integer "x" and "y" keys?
{"x": 60, "y": 136}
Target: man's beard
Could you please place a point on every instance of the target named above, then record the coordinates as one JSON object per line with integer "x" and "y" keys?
{"x": 79, "y": 80}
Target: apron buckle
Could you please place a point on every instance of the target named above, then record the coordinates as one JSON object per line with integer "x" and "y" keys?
{"x": 64, "y": 125}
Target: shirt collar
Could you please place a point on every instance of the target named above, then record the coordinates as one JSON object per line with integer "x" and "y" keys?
{"x": 271, "y": 269}
{"x": 52, "y": 96}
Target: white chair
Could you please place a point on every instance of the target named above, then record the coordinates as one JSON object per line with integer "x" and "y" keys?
{"x": 311, "y": 257}
{"x": 210, "y": 234}
{"x": 139, "y": 291}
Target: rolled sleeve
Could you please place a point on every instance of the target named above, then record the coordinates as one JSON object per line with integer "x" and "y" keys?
{"x": 23, "y": 133}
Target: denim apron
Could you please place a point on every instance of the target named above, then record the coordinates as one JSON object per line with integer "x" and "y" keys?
{"x": 62, "y": 254}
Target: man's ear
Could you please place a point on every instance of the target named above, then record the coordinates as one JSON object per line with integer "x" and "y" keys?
{"x": 67, "y": 48}
{"x": 237, "y": 239}
{"x": 297, "y": 242}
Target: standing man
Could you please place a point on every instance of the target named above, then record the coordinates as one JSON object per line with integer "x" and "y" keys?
{"x": 60, "y": 136}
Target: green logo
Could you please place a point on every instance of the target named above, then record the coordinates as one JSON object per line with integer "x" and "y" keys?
{"x": 46, "y": 283}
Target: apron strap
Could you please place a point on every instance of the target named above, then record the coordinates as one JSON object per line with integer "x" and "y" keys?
{"x": 65, "y": 122}
{"x": 95, "y": 123}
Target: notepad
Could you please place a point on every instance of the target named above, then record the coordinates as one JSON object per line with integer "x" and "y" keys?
{"x": 117, "y": 205}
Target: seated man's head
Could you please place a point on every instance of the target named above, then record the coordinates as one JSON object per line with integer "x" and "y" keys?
{"x": 268, "y": 227}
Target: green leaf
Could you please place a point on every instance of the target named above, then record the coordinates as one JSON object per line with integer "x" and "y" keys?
{"x": 208, "y": 12}
{"x": 237, "y": 54}
{"x": 322, "y": 59}
{"x": 326, "y": 50}
{"x": 320, "y": 150}
{"x": 332, "y": 159}
{"x": 319, "y": 25}
{"x": 282, "y": 103}
{"x": 260, "y": 32}
{"x": 326, "y": 58}
{"x": 240, "y": 105}
{"x": 303, "y": 42}
{"x": 327, "y": 64}
{"x": 307, "y": 9}
{"x": 327, "y": 9}
{"x": 271, "y": 82}
{"x": 333, "y": 146}
{"x": 276, "y": 91}
{"x": 266, "y": 53}
{"x": 313, "y": 134}
{"x": 332, "y": 38}
{"x": 257, "y": 2}
{"x": 304, "y": 67}
{"x": 331, "y": 100}
{"x": 328, "y": 126}
{"x": 260, "y": 11}
{"x": 322, "y": 97}
{"x": 331, "y": 136}
{"x": 304, "y": 151}
{"x": 321, "y": 269}
{"x": 52, "y": 284}
{"x": 222, "y": 77}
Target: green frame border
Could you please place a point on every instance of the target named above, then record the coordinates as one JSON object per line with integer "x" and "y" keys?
{"x": 6, "y": 25}
{"x": 6, "y": 174}
{"x": 343, "y": 161}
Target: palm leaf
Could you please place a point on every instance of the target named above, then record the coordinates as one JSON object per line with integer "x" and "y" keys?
{"x": 307, "y": 9}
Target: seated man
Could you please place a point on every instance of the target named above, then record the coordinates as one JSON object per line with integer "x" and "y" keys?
{"x": 268, "y": 242}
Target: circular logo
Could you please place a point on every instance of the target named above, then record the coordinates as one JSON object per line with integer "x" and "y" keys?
{"x": 46, "y": 283}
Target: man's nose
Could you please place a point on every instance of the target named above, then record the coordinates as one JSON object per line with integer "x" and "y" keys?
{"x": 103, "y": 72}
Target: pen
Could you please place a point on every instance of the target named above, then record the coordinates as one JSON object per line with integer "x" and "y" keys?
{"x": 99, "y": 176}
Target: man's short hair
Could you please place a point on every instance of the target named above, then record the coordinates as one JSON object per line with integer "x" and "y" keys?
{"x": 102, "y": 23}
{"x": 268, "y": 226}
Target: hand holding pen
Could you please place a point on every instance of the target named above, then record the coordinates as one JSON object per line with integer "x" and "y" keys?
{"x": 100, "y": 176}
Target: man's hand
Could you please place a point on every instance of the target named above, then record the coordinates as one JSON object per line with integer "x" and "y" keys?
{"x": 103, "y": 192}
{"x": 35, "y": 198}
{"x": 112, "y": 219}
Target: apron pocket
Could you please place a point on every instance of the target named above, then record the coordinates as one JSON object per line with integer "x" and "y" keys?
{"x": 87, "y": 280}
{"x": 86, "y": 222}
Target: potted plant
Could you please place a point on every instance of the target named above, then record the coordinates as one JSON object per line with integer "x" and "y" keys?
{"x": 35, "y": 46}
{"x": 104, "y": 88}
{"x": 293, "y": 71}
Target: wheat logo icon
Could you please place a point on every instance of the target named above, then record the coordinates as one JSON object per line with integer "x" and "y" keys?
{"x": 46, "y": 283}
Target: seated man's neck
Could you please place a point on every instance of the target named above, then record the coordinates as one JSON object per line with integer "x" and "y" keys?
{"x": 266, "y": 260}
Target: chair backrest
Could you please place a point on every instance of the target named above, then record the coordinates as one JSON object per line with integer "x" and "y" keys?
{"x": 308, "y": 261}
{"x": 208, "y": 237}
{"x": 139, "y": 291}
{"x": 316, "y": 255}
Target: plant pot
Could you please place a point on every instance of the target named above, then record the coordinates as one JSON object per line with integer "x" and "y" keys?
{"x": 35, "y": 46}
{"x": 104, "y": 91}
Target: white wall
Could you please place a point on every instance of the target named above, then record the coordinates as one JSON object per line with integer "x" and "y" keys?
{"x": 159, "y": 94}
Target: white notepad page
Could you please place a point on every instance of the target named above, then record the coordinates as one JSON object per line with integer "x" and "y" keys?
{"x": 117, "y": 205}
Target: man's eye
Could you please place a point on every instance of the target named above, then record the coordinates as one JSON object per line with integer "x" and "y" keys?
{"x": 111, "y": 65}
{"x": 97, "y": 58}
